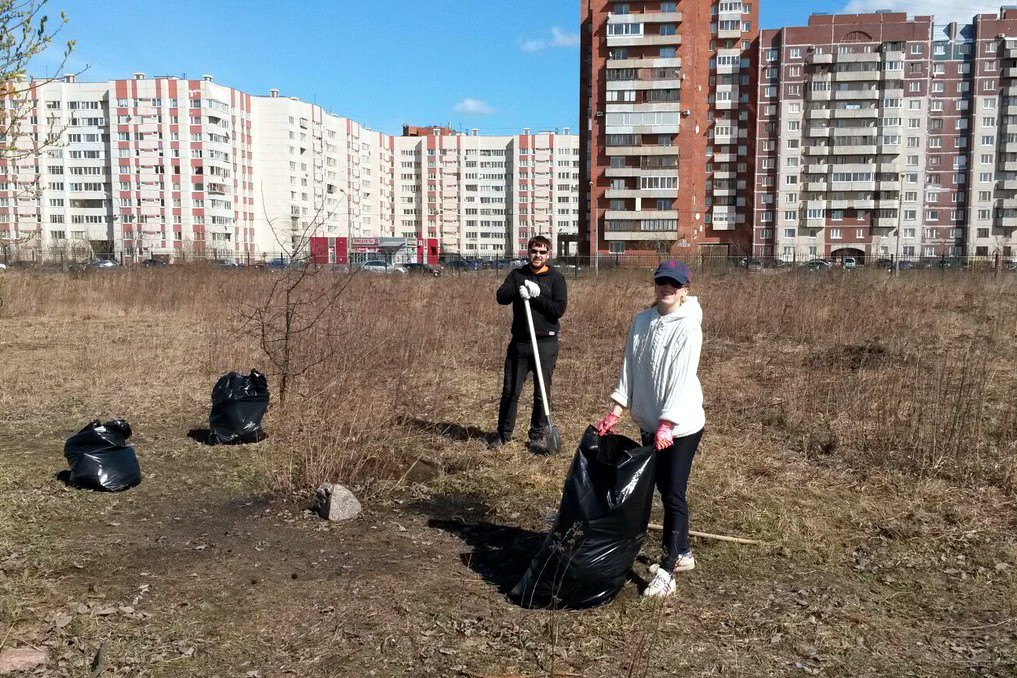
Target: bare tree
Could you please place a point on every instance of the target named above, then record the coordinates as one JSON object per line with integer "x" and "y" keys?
{"x": 26, "y": 31}
{"x": 292, "y": 322}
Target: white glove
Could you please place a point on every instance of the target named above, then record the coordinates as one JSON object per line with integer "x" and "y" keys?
{"x": 532, "y": 288}
{"x": 523, "y": 292}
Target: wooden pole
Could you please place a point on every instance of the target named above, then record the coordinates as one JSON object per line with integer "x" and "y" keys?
{"x": 706, "y": 535}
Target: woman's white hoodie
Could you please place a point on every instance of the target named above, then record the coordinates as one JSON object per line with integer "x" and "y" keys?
{"x": 658, "y": 375}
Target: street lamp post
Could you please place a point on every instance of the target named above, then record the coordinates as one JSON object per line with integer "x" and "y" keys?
{"x": 111, "y": 235}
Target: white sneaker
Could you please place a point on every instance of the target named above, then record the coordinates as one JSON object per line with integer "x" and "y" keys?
{"x": 686, "y": 562}
{"x": 662, "y": 584}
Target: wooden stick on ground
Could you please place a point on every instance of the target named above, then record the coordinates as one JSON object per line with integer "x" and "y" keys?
{"x": 706, "y": 535}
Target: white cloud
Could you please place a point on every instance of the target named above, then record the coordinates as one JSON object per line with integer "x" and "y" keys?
{"x": 473, "y": 107}
{"x": 557, "y": 38}
{"x": 944, "y": 12}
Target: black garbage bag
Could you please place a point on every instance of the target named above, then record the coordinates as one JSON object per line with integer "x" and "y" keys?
{"x": 601, "y": 525}
{"x": 101, "y": 459}
{"x": 238, "y": 405}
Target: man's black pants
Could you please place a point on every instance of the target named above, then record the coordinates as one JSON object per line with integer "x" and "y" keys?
{"x": 518, "y": 363}
{"x": 673, "y": 467}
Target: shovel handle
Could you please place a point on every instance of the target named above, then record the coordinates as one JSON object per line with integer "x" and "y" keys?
{"x": 536, "y": 359}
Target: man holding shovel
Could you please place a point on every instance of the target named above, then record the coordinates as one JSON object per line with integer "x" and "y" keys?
{"x": 543, "y": 288}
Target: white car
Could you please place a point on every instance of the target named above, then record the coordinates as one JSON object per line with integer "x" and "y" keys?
{"x": 377, "y": 266}
{"x": 850, "y": 263}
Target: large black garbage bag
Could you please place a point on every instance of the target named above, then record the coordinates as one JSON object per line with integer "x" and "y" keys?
{"x": 601, "y": 525}
{"x": 101, "y": 459}
{"x": 238, "y": 405}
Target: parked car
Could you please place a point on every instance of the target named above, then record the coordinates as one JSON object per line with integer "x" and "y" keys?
{"x": 849, "y": 263}
{"x": 379, "y": 266}
{"x": 103, "y": 264}
{"x": 154, "y": 263}
{"x": 276, "y": 265}
{"x": 816, "y": 266}
{"x": 884, "y": 263}
{"x": 459, "y": 265}
{"x": 750, "y": 263}
{"x": 422, "y": 269}
{"x": 3, "y": 266}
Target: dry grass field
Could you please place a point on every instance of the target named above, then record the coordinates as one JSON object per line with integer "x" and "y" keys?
{"x": 863, "y": 427}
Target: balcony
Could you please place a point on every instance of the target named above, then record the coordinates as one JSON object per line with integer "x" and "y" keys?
{"x": 853, "y": 149}
{"x": 815, "y": 186}
{"x": 660, "y": 17}
{"x": 818, "y": 113}
{"x": 852, "y": 203}
{"x": 862, "y": 113}
{"x": 866, "y": 186}
{"x": 622, "y": 172}
{"x": 724, "y": 157}
{"x": 645, "y": 62}
{"x": 1007, "y": 165}
{"x": 818, "y": 95}
{"x": 815, "y": 131}
{"x": 864, "y": 57}
{"x": 1008, "y": 184}
{"x": 729, "y": 34}
{"x": 641, "y": 150}
{"x": 1010, "y": 72}
{"x": 816, "y": 150}
{"x": 856, "y": 94}
{"x": 884, "y": 222}
{"x": 856, "y": 76}
{"x": 819, "y": 59}
{"x": 1006, "y": 221}
{"x": 888, "y": 185}
{"x": 624, "y": 215}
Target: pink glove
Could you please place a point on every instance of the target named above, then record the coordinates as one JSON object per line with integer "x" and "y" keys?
{"x": 607, "y": 424}
{"x": 665, "y": 437}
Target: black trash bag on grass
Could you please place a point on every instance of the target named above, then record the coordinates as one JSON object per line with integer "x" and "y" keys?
{"x": 601, "y": 525}
{"x": 238, "y": 405}
{"x": 101, "y": 459}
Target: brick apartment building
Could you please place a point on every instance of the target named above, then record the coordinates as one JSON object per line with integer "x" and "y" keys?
{"x": 882, "y": 136}
{"x": 166, "y": 167}
{"x": 666, "y": 90}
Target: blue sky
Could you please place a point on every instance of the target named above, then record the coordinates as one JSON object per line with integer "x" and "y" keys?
{"x": 497, "y": 65}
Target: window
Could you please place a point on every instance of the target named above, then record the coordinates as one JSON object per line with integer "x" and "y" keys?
{"x": 835, "y": 234}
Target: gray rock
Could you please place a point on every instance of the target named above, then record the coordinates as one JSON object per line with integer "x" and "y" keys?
{"x": 336, "y": 503}
{"x": 20, "y": 659}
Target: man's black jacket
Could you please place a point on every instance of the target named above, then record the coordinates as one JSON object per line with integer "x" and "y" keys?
{"x": 547, "y": 308}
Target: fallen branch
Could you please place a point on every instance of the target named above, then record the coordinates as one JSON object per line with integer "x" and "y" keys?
{"x": 706, "y": 535}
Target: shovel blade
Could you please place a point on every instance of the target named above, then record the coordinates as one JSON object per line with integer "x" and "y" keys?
{"x": 551, "y": 440}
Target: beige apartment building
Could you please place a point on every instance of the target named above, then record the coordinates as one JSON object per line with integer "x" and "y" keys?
{"x": 171, "y": 168}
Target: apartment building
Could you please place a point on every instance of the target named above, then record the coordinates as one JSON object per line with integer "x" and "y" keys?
{"x": 487, "y": 195}
{"x": 173, "y": 168}
{"x": 665, "y": 92}
{"x": 886, "y": 136}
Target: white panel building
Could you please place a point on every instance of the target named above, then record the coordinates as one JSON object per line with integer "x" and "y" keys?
{"x": 176, "y": 169}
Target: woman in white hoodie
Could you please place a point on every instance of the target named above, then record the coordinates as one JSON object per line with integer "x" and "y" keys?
{"x": 659, "y": 385}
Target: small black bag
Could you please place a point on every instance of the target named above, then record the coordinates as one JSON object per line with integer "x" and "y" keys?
{"x": 101, "y": 459}
{"x": 238, "y": 405}
{"x": 601, "y": 525}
